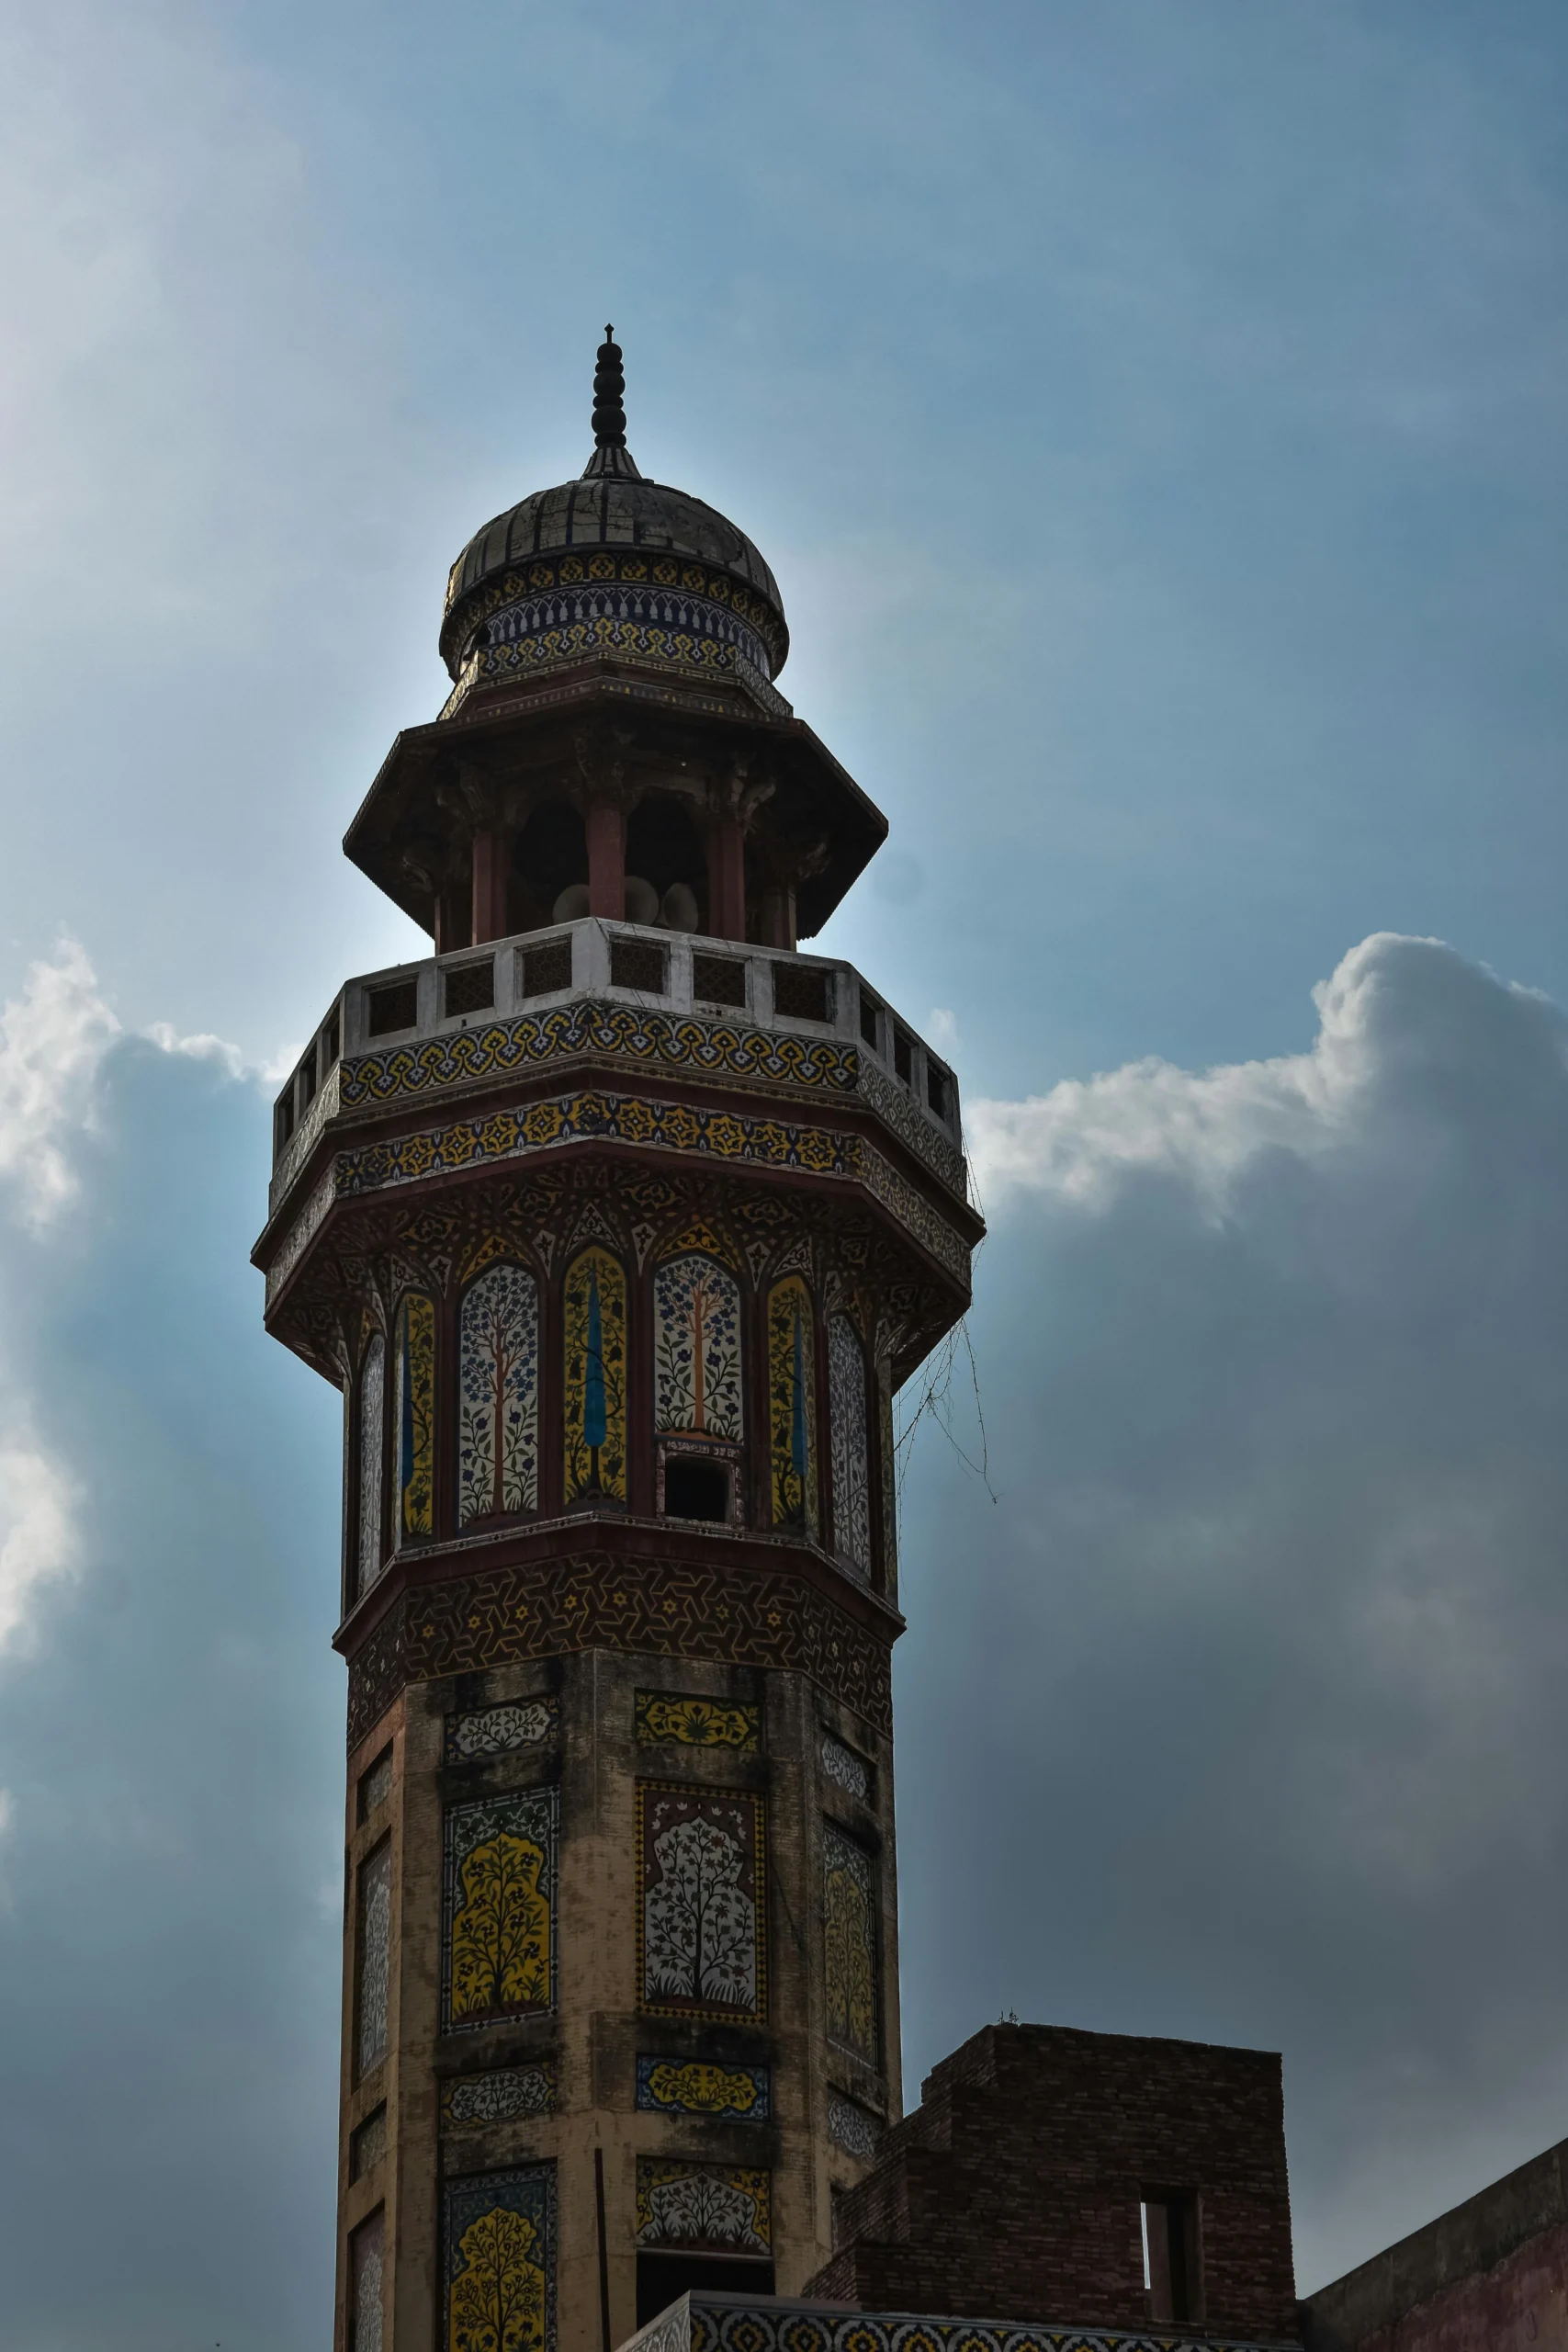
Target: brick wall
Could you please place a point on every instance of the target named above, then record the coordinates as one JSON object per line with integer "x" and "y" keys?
{"x": 1014, "y": 2192}
{"x": 1490, "y": 2277}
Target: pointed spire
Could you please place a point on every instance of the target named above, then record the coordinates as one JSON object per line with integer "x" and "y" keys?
{"x": 610, "y": 455}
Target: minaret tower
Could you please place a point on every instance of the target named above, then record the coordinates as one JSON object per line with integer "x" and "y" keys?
{"x": 618, "y": 1221}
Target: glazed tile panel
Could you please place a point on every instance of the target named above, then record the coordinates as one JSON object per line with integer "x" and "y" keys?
{"x": 792, "y": 1405}
{"x": 499, "y": 2260}
{"x": 850, "y": 1445}
{"x": 708, "y": 2208}
{"x": 497, "y": 1394}
{"x": 693, "y": 2086}
{"x": 700, "y": 1912}
{"x": 594, "y": 1310}
{"x": 498, "y": 1944}
{"x": 414, "y": 1425}
{"x": 372, "y": 1415}
{"x": 500, "y": 2096}
{"x": 696, "y": 1351}
{"x": 669, "y": 1718}
{"x": 492, "y": 1731}
{"x": 849, "y": 1935}
{"x": 373, "y": 1966}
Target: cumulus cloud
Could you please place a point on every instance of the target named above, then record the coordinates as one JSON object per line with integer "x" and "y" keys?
{"x": 1256, "y": 1682}
{"x": 52, "y": 1038}
{"x": 170, "y": 1709}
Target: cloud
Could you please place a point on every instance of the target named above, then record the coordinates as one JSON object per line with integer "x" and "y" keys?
{"x": 170, "y": 1710}
{"x": 1239, "y": 1715}
{"x": 52, "y": 1039}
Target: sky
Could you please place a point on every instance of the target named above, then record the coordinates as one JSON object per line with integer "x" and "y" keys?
{"x": 1152, "y": 417}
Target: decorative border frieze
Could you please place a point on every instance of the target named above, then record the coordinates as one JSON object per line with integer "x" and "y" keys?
{"x": 580, "y": 1601}
{"x": 710, "y": 2324}
{"x": 637, "y": 1033}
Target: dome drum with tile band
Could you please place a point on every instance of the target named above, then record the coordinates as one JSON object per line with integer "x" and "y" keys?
{"x": 660, "y": 775}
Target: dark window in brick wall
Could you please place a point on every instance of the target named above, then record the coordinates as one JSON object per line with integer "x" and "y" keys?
{"x": 547, "y": 968}
{"x": 903, "y": 1055}
{"x": 800, "y": 993}
{"x": 393, "y": 1007}
{"x": 637, "y": 964}
{"x": 1170, "y": 2255}
{"x": 331, "y": 1042}
{"x": 471, "y": 989}
{"x": 307, "y": 1075}
{"x": 936, "y": 1089}
{"x": 868, "y": 1010}
{"x": 719, "y": 979}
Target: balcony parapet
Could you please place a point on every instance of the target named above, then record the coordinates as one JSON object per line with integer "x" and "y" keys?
{"x": 706, "y": 1008}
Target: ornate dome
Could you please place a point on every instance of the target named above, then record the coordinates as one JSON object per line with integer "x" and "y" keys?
{"x": 611, "y": 563}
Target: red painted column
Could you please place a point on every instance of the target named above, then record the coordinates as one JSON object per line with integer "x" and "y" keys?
{"x": 726, "y": 879}
{"x": 488, "y": 885}
{"x": 606, "y": 861}
{"x": 778, "y": 917}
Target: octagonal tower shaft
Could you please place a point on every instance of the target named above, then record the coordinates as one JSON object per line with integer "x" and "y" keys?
{"x": 618, "y": 1238}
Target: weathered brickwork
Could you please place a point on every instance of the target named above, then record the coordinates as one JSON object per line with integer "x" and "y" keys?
{"x": 1014, "y": 2192}
{"x": 1490, "y": 2277}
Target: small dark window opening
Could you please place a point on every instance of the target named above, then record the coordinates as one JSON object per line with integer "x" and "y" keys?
{"x": 695, "y": 1490}
{"x": 547, "y": 969}
{"x": 329, "y": 1042}
{"x": 1170, "y": 2255}
{"x": 664, "y": 2279}
{"x": 719, "y": 979}
{"x": 801, "y": 993}
{"x": 868, "y": 1009}
{"x": 637, "y": 964}
{"x": 393, "y": 1008}
{"x": 903, "y": 1055}
{"x": 307, "y": 1076}
{"x": 283, "y": 1119}
{"x": 936, "y": 1089}
{"x": 471, "y": 989}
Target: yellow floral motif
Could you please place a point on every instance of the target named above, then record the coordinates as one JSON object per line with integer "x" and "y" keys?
{"x": 415, "y": 1432}
{"x": 849, "y": 1934}
{"x": 792, "y": 1405}
{"x": 497, "y": 2300}
{"x": 501, "y": 1929}
{"x": 698, "y": 2089}
{"x": 663, "y": 1717}
{"x": 595, "y": 1315}
{"x": 698, "y": 1234}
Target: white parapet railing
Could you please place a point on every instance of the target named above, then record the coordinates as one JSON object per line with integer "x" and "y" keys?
{"x": 679, "y": 973}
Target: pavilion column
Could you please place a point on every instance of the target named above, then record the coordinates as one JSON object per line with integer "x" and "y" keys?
{"x": 606, "y": 829}
{"x": 778, "y": 916}
{"x": 489, "y": 884}
{"x": 726, "y": 878}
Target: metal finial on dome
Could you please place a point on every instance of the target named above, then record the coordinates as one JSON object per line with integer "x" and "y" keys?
{"x": 609, "y": 396}
{"x": 610, "y": 455}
